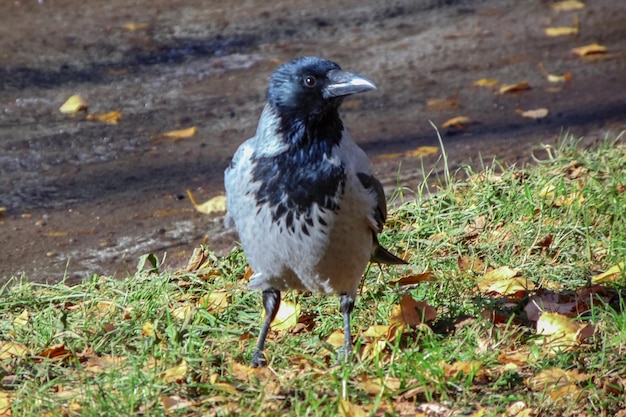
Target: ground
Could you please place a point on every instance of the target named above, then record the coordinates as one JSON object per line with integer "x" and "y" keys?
{"x": 85, "y": 197}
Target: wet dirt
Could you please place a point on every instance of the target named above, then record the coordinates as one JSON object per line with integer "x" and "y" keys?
{"x": 85, "y": 197}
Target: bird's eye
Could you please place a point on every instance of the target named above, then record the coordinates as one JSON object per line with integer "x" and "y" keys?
{"x": 310, "y": 81}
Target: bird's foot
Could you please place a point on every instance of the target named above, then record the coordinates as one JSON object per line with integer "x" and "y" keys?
{"x": 259, "y": 360}
{"x": 344, "y": 354}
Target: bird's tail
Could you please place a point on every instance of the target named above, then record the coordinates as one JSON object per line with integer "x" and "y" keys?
{"x": 383, "y": 256}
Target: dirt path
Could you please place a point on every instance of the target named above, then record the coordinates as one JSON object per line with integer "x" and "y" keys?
{"x": 86, "y": 197}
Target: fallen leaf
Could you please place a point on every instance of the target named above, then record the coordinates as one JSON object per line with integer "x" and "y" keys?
{"x": 503, "y": 281}
{"x": 348, "y": 409}
{"x": 287, "y": 316}
{"x": 215, "y": 301}
{"x": 180, "y": 134}
{"x": 73, "y": 105}
{"x": 133, "y": 26}
{"x": 174, "y": 402}
{"x": 377, "y": 386}
{"x": 175, "y": 374}
{"x": 412, "y": 313}
{"x": 456, "y": 122}
{"x": 377, "y": 331}
{"x": 486, "y": 82}
{"x": 561, "y": 31}
{"x": 552, "y": 77}
{"x": 11, "y": 350}
{"x": 212, "y": 206}
{"x": 55, "y": 352}
{"x": 442, "y": 104}
{"x": 336, "y": 339}
{"x": 610, "y": 275}
{"x": 183, "y": 312}
{"x": 560, "y": 385}
{"x": 593, "y": 48}
{"x": 414, "y": 279}
{"x": 112, "y": 117}
{"x": 533, "y": 114}
{"x": 469, "y": 368}
{"x": 567, "y": 5}
{"x": 422, "y": 151}
{"x": 560, "y": 332}
{"x": 5, "y": 403}
{"x": 513, "y": 88}
{"x": 147, "y": 330}
{"x": 22, "y": 319}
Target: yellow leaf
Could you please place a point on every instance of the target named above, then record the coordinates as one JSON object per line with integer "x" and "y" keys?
{"x": 347, "y": 409}
{"x": 567, "y": 5}
{"x": 181, "y": 134}
{"x": 11, "y": 350}
{"x": 175, "y": 374}
{"x": 183, "y": 312}
{"x": 216, "y": 301}
{"x": 560, "y": 385}
{"x": 593, "y": 48}
{"x": 377, "y": 331}
{"x": 5, "y": 402}
{"x": 112, "y": 117}
{"x": 559, "y": 78}
{"x": 22, "y": 319}
{"x": 610, "y": 275}
{"x": 559, "y": 331}
{"x": 533, "y": 114}
{"x": 486, "y": 82}
{"x": 336, "y": 339}
{"x": 132, "y": 26}
{"x": 562, "y": 31}
{"x": 287, "y": 316}
{"x": 456, "y": 122}
{"x": 422, "y": 151}
{"x": 513, "y": 88}
{"x": 147, "y": 330}
{"x": 214, "y": 205}
{"x": 73, "y": 105}
{"x": 378, "y": 385}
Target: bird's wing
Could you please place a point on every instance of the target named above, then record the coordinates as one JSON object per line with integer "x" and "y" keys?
{"x": 372, "y": 185}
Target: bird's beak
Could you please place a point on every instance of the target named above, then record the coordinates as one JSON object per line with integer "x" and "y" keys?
{"x": 343, "y": 83}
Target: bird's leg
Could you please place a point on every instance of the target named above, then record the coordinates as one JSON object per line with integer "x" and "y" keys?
{"x": 271, "y": 302}
{"x": 347, "y": 304}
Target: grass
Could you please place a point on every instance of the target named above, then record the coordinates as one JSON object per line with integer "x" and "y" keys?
{"x": 177, "y": 343}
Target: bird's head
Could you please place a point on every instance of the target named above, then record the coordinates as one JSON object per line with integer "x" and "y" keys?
{"x": 309, "y": 87}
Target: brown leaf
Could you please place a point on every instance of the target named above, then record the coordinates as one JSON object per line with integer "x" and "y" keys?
{"x": 514, "y": 88}
{"x": 414, "y": 279}
{"x": 560, "y": 385}
{"x": 112, "y": 117}
{"x": 590, "y": 49}
{"x": 412, "y": 313}
{"x": 457, "y": 122}
{"x": 174, "y": 402}
{"x": 442, "y": 104}
{"x": 55, "y": 352}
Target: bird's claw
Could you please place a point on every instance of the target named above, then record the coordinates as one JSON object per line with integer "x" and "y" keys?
{"x": 344, "y": 355}
{"x": 259, "y": 360}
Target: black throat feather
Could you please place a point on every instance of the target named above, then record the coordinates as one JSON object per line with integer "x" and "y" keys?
{"x": 302, "y": 175}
